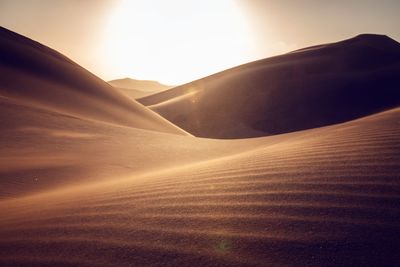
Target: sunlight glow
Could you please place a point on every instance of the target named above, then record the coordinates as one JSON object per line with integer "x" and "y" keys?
{"x": 176, "y": 41}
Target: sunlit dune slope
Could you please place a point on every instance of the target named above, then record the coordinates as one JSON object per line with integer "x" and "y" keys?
{"x": 43, "y": 150}
{"x": 39, "y": 76}
{"x": 322, "y": 197}
{"x": 308, "y": 88}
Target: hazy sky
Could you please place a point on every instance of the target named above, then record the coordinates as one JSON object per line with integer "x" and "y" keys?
{"x": 176, "y": 41}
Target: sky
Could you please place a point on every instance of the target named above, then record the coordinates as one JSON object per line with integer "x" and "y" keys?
{"x": 177, "y": 41}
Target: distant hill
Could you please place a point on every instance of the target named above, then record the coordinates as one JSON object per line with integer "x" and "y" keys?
{"x": 307, "y": 88}
{"x": 138, "y": 88}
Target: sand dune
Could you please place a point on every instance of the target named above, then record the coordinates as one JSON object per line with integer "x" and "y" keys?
{"x": 308, "y": 88}
{"x": 134, "y": 94}
{"x": 321, "y": 197}
{"x": 39, "y": 76}
{"x": 138, "y": 88}
{"x": 89, "y": 177}
{"x": 42, "y": 149}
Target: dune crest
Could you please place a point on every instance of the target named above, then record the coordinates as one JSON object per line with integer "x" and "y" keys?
{"x": 307, "y": 88}
{"x": 41, "y": 77}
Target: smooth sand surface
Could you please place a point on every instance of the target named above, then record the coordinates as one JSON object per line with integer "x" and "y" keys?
{"x": 138, "y": 88}
{"x": 134, "y": 94}
{"x": 308, "y": 88}
{"x": 82, "y": 186}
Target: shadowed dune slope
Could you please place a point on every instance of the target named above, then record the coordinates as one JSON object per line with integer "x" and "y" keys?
{"x": 323, "y": 197}
{"x": 42, "y": 77}
{"x": 307, "y": 88}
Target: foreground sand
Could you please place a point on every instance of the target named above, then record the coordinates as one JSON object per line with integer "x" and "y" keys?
{"x": 327, "y": 196}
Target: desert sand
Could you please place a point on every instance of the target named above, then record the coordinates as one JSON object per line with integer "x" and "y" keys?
{"x": 138, "y": 88}
{"x": 308, "y": 88}
{"x": 38, "y": 75}
{"x": 89, "y": 177}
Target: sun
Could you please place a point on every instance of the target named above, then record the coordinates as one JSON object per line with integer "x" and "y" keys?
{"x": 176, "y": 41}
